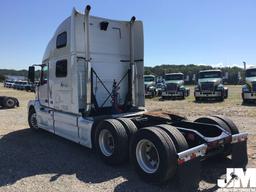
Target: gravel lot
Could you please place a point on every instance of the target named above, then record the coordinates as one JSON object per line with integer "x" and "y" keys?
{"x": 39, "y": 161}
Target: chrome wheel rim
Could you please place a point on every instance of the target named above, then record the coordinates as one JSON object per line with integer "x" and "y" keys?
{"x": 147, "y": 156}
{"x": 33, "y": 121}
{"x": 106, "y": 142}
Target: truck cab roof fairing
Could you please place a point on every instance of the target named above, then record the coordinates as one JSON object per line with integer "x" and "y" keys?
{"x": 51, "y": 47}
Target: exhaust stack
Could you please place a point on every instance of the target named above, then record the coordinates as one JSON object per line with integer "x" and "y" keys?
{"x": 87, "y": 59}
{"x": 132, "y": 63}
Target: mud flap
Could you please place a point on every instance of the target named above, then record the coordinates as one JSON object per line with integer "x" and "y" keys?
{"x": 239, "y": 154}
{"x": 188, "y": 176}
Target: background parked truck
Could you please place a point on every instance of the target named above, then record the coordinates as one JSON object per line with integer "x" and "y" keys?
{"x": 91, "y": 92}
{"x": 249, "y": 88}
{"x": 150, "y": 85}
{"x": 174, "y": 86}
{"x": 210, "y": 86}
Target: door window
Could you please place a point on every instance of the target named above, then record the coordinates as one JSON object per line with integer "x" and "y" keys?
{"x": 44, "y": 75}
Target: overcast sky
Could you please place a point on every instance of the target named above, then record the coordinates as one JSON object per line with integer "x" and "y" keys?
{"x": 215, "y": 32}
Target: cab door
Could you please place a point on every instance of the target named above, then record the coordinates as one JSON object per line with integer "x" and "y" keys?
{"x": 45, "y": 114}
{"x": 43, "y": 88}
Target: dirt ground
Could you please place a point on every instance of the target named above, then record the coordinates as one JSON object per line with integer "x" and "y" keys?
{"x": 39, "y": 161}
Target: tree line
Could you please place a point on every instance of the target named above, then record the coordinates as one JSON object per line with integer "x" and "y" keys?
{"x": 235, "y": 74}
{"x": 159, "y": 70}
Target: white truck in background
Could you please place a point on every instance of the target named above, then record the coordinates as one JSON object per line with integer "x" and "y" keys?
{"x": 150, "y": 86}
{"x": 210, "y": 86}
{"x": 174, "y": 86}
{"x": 91, "y": 92}
{"x": 249, "y": 88}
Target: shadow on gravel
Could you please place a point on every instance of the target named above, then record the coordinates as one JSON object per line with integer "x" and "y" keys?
{"x": 26, "y": 153}
{"x": 208, "y": 101}
{"x": 249, "y": 104}
{"x": 172, "y": 99}
{"x": 3, "y": 108}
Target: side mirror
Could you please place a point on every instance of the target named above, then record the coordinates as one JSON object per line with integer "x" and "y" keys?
{"x": 31, "y": 74}
{"x": 197, "y": 77}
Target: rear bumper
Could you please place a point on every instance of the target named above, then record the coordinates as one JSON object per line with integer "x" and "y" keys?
{"x": 207, "y": 94}
{"x": 240, "y": 137}
{"x": 202, "y": 150}
{"x": 192, "y": 153}
{"x": 249, "y": 95}
{"x": 172, "y": 94}
{"x": 189, "y": 161}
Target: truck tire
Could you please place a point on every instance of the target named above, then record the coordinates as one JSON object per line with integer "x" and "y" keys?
{"x": 214, "y": 121}
{"x": 198, "y": 99}
{"x": 153, "y": 93}
{"x": 183, "y": 95}
{"x": 163, "y": 97}
{"x": 233, "y": 128}
{"x": 217, "y": 121}
{"x": 188, "y": 92}
{"x": 111, "y": 142}
{"x": 153, "y": 155}
{"x": 129, "y": 126}
{"x": 225, "y": 93}
{"x": 32, "y": 121}
{"x": 176, "y": 136}
{"x": 9, "y": 102}
{"x": 222, "y": 97}
{"x": 1, "y": 101}
{"x": 245, "y": 101}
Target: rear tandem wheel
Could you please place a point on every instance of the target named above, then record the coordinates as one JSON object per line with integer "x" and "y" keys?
{"x": 224, "y": 123}
{"x": 111, "y": 142}
{"x": 153, "y": 155}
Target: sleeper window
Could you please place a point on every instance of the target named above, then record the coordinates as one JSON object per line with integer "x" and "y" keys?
{"x": 61, "y": 40}
{"x": 61, "y": 68}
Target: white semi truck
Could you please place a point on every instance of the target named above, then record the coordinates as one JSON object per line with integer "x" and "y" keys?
{"x": 150, "y": 86}
{"x": 174, "y": 86}
{"x": 249, "y": 88}
{"x": 210, "y": 86}
{"x": 91, "y": 92}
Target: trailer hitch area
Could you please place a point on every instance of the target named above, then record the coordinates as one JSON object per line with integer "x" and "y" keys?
{"x": 239, "y": 150}
{"x": 189, "y": 168}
